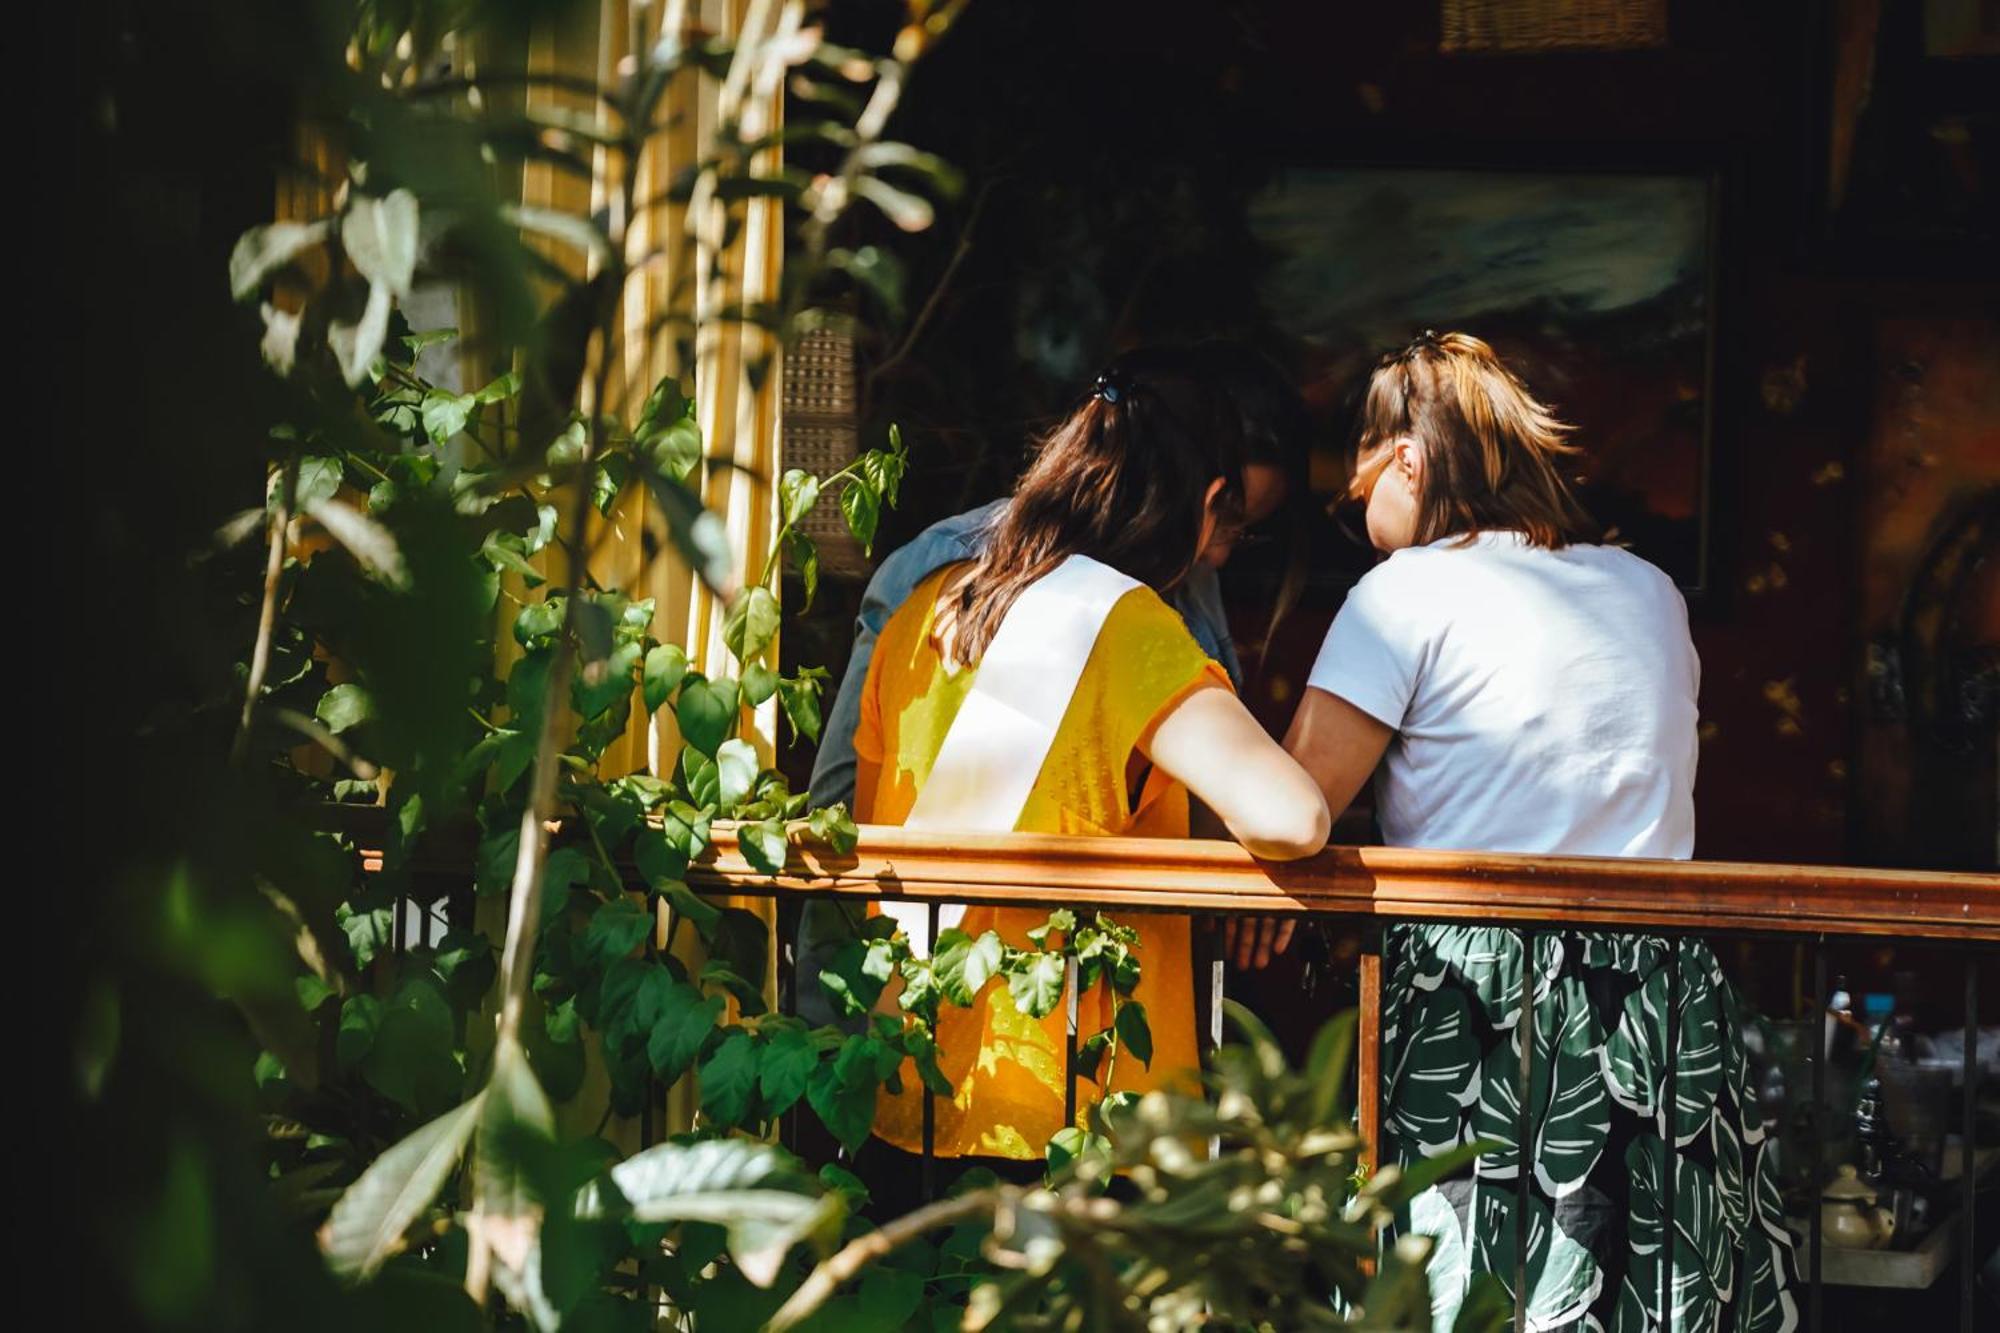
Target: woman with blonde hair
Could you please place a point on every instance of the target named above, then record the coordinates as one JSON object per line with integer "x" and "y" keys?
{"x": 1514, "y": 685}
{"x": 1046, "y": 686}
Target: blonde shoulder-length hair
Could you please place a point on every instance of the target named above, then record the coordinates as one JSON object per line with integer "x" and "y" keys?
{"x": 1492, "y": 451}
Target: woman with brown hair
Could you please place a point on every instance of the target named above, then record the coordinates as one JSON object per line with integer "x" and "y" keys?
{"x": 1046, "y": 686}
{"x": 1514, "y": 685}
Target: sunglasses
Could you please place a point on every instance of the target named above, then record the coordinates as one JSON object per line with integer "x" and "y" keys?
{"x": 1349, "y": 509}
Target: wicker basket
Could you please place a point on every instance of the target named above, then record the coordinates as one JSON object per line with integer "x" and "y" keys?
{"x": 820, "y": 436}
{"x": 1546, "y": 25}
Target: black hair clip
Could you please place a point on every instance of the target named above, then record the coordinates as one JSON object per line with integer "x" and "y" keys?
{"x": 1111, "y": 387}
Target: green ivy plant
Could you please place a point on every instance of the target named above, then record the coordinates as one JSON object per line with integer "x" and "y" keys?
{"x": 422, "y": 1102}
{"x": 1271, "y": 1228}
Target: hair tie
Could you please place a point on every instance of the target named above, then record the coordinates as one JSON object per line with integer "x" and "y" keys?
{"x": 1111, "y": 387}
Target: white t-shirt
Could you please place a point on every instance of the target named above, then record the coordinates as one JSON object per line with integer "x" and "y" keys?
{"x": 1543, "y": 701}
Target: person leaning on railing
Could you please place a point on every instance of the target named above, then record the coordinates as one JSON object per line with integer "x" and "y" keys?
{"x": 1524, "y": 688}
{"x": 1274, "y": 432}
{"x": 1047, "y": 686}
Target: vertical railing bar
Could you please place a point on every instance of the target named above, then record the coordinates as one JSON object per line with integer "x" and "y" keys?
{"x": 1216, "y": 969}
{"x": 1968, "y": 1253}
{"x": 930, "y": 1098}
{"x": 1069, "y": 1040}
{"x": 1368, "y": 1054}
{"x": 1670, "y": 1100}
{"x": 785, "y": 944}
{"x": 1524, "y": 1031}
{"x": 785, "y": 939}
{"x": 1817, "y": 1047}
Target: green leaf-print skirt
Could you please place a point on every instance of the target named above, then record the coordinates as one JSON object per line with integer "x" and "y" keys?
{"x": 1596, "y": 1137}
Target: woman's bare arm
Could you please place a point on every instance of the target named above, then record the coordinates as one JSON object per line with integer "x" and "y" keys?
{"x": 1212, "y": 745}
{"x": 1337, "y": 744}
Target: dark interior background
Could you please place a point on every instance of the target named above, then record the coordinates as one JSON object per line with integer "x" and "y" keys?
{"x": 1848, "y": 634}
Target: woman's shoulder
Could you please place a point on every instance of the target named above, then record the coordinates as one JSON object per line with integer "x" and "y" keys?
{"x": 1142, "y": 614}
{"x": 1634, "y": 571}
{"x": 921, "y": 604}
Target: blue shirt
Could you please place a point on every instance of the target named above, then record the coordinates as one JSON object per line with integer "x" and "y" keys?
{"x": 947, "y": 542}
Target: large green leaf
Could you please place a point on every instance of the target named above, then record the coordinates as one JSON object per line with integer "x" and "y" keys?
{"x": 1569, "y": 1114}
{"x": 605, "y": 683}
{"x": 373, "y": 546}
{"x": 856, "y": 974}
{"x": 445, "y": 414}
{"x": 410, "y": 1060}
{"x": 1563, "y": 1277}
{"x": 705, "y": 711}
{"x": 798, "y": 492}
{"x": 1433, "y": 1069}
{"x": 1635, "y": 1053}
{"x": 1739, "y": 1079}
{"x": 345, "y": 705}
{"x": 1571, "y": 1107}
{"x": 754, "y": 1190}
{"x": 1486, "y": 961}
{"x": 682, "y": 1020}
{"x": 1703, "y": 1270}
{"x": 1037, "y": 984}
{"x": 1765, "y": 1303}
{"x": 1134, "y": 1033}
{"x": 764, "y": 845}
{"x": 789, "y": 1059}
{"x": 615, "y": 930}
{"x": 799, "y": 697}
{"x": 1767, "y": 1199}
{"x": 759, "y": 683}
{"x": 1450, "y": 1268}
{"x": 516, "y": 1123}
{"x": 367, "y": 1224}
{"x": 842, "y": 1091}
{"x": 752, "y": 623}
{"x": 650, "y": 1181}
{"x": 729, "y": 1080}
{"x": 1732, "y": 1186}
{"x": 964, "y": 964}
{"x": 380, "y": 237}
{"x": 736, "y": 773}
{"x": 659, "y": 859}
{"x": 1698, "y": 1054}
{"x": 263, "y": 250}
{"x": 356, "y": 344}
{"x": 630, "y": 1000}
{"x": 661, "y": 676}
{"x": 360, "y": 1020}
{"x": 1634, "y": 955}
{"x": 861, "y": 506}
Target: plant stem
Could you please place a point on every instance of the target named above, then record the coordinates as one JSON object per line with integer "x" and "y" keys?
{"x": 603, "y": 856}
{"x": 774, "y": 561}
{"x": 864, "y": 1250}
{"x": 525, "y": 896}
{"x": 935, "y": 299}
{"x": 267, "y": 615}
{"x": 350, "y": 456}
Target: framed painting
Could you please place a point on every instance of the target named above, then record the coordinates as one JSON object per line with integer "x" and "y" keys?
{"x": 1599, "y": 288}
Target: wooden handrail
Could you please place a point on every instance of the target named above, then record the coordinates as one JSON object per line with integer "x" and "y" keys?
{"x": 1149, "y": 874}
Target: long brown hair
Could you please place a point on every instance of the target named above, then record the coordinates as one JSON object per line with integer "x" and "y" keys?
{"x": 1493, "y": 452}
{"x": 1122, "y": 479}
{"x": 1277, "y": 432}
